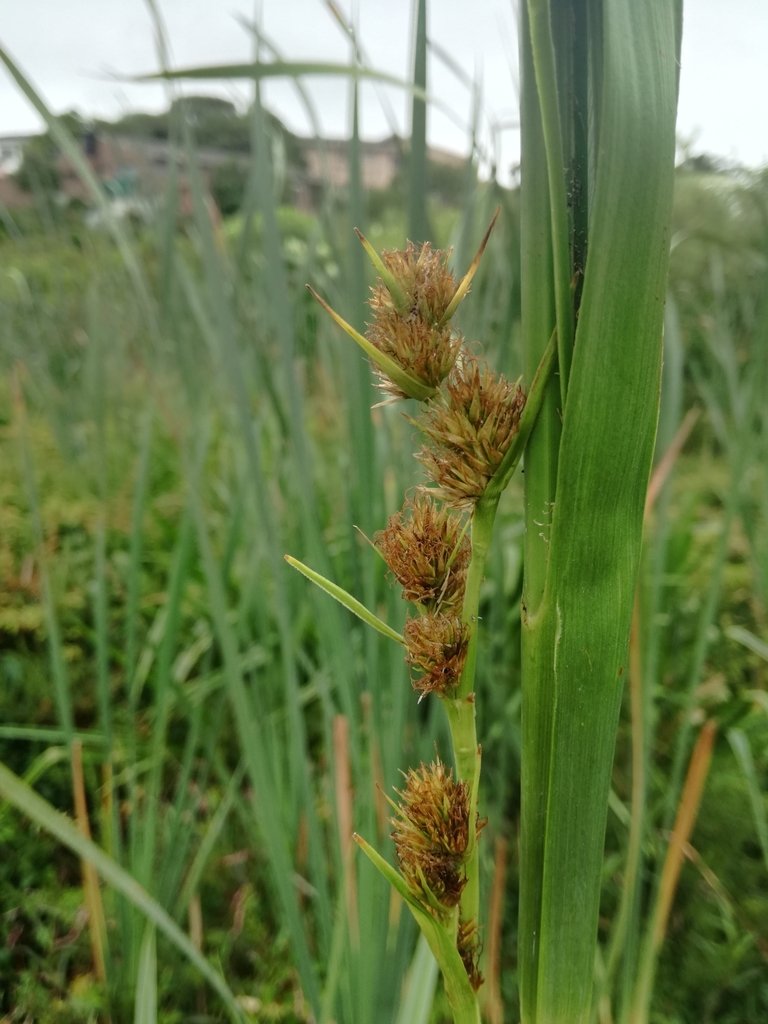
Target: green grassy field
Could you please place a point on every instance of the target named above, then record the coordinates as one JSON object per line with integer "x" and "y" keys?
{"x": 176, "y": 414}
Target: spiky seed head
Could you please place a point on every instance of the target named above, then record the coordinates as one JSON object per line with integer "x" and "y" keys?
{"x": 423, "y": 276}
{"x": 436, "y": 645}
{"x": 424, "y": 350}
{"x": 431, "y": 834}
{"x": 409, "y": 332}
{"x": 425, "y": 551}
{"x": 470, "y": 424}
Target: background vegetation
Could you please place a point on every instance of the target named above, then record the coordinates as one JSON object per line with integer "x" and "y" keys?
{"x": 174, "y": 415}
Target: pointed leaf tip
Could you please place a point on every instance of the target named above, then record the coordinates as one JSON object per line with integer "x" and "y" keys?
{"x": 466, "y": 281}
{"x": 391, "y": 283}
{"x": 405, "y": 381}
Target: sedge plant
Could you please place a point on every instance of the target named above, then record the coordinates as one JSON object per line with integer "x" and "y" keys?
{"x": 475, "y": 424}
{"x": 598, "y": 117}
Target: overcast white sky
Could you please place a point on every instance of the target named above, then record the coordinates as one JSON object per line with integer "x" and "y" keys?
{"x": 69, "y": 48}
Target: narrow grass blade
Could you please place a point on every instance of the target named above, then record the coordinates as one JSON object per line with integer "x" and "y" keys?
{"x": 96, "y": 923}
{"x": 743, "y": 754}
{"x": 70, "y": 148}
{"x": 466, "y": 281}
{"x": 27, "y": 801}
{"x": 393, "y": 285}
{"x": 278, "y": 69}
{"x": 687, "y": 811}
{"x": 541, "y": 14}
{"x": 418, "y": 223}
{"x": 145, "y": 1011}
{"x": 461, "y": 997}
{"x": 420, "y": 985}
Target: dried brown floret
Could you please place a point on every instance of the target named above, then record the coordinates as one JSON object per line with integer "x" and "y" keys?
{"x": 471, "y": 424}
{"x": 468, "y": 945}
{"x": 427, "y": 554}
{"x": 431, "y": 833}
{"x": 436, "y": 645}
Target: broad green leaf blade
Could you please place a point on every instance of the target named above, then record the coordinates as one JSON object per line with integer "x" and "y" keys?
{"x": 575, "y": 637}
{"x": 27, "y": 801}
{"x": 349, "y": 602}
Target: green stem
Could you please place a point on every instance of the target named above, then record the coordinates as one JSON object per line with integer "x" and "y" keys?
{"x": 461, "y": 708}
{"x": 482, "y": 531}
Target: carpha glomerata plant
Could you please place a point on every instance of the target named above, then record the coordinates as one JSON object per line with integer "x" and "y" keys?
{"x": 598, "y": 117}
{"x": 475, "y": 424}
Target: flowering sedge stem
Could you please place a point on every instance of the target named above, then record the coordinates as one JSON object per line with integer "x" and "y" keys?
{"x": 461, "y": 708}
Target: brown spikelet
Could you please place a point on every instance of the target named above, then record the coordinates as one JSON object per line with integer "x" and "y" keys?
{"x": 436, "y": 645}
{"x": 424, "y": 350}
{"x": 431, "y": 834}
{"x": 426, "y": 553}
{"x": 471, "y": 424}
{"x": 425, "y": 278}
{"x": 410, "y": 333}
{"x": 468, "y": 945}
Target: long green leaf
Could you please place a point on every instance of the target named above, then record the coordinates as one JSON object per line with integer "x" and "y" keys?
{"x": 576, "y": 627}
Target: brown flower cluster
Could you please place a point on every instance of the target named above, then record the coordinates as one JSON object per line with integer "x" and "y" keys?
{"x": 468, "y": 945}
{"x": 471, "y": 423}
{"x": 411, "y": 332}
{"x": 436, "y": 645}
{"x": 425, "y": 279}
{"x": 426, "y": 553}
{"x": 431, "y": 834}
